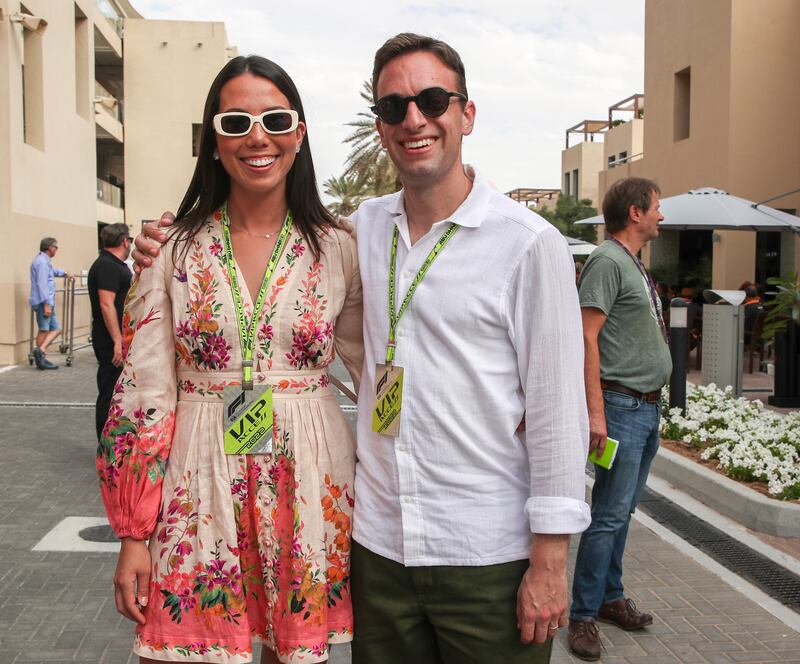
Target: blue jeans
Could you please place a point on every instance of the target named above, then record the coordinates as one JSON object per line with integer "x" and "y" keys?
{"x": 598, "y": 567}
{"x": 46, "y": 323}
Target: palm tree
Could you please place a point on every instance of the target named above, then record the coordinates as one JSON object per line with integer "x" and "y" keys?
{"x": 368, "y": 163}
{"x": 347, "y": 194}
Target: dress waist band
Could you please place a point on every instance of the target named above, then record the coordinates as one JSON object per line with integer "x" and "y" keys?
{"x": 209, "y": 385}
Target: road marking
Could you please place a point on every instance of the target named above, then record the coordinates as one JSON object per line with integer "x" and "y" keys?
{"x": 65, "y": 536}
{"x": 42, "y": 404}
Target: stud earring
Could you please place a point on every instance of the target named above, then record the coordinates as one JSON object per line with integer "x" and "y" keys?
{"x": 297, "y": 149}
{"x": 216, "y": 155}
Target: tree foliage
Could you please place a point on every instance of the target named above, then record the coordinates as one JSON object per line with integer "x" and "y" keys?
{"x": 369, "y": 172}
{"x": 569, "y": 210}
{"x": 784, "y": 308}
{"x": 346, "y": 193}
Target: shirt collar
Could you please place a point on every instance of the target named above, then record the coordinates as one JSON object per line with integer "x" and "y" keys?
{"x": 470, "y": 213}
{"x": 112, "y": 256}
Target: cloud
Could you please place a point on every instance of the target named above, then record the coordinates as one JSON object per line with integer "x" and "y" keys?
{"x": 533, "y": 68}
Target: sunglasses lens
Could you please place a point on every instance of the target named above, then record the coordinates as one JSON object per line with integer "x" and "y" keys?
{"x": 391, "y": 109}
{"x": 235, "y": 124}
{"x": 433, "y": 102}
{"x": 278, "y": 122}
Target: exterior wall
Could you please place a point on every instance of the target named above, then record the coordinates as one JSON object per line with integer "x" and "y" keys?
{"x": 46, "y": 189}
{"x": 744, "y": 113}
{"x": 587, "y": 158}
{"x": 765, "y": 101}
{"x": 681, "y": 34}
{"x": 627, "y": 137}
{"x": 158, "y": 155}
{"x": 48, "y": 185}
{"x": 790, "y": 253}
{"x": 734, "y": 259}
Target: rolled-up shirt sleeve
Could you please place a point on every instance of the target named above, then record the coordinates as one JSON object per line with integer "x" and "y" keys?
{"x": 545, "y": 323}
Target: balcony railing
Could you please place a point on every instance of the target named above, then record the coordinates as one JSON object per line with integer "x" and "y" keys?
{"x": 625, "y": 160}
{"x": 109, "y": 193}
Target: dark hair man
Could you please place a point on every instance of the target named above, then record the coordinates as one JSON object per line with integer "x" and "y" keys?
{"x": 627, "y": 364}
{"x": 43, "y": 300}
{"x": 109, "y": 281}
{"x": 462, "y": 517}
{"x": 461, "y": 522}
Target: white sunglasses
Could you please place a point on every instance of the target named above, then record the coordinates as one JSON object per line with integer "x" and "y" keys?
{"x": 239, "y": 123}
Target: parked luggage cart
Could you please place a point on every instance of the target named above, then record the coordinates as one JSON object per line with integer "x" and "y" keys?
{"x": 66, "y": 344}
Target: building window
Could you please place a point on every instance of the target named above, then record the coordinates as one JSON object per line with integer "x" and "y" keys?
{"x": 683, "y": 96}
{"x": 575, "y": 186}
{"x": 82, "y": 90}
{"x": 623, "y": 156}
{"x": 611, "y": 159}
{"x": 566, "y": 184}
{"x": 197, "y": 132}
{"x": 32, "y": 87}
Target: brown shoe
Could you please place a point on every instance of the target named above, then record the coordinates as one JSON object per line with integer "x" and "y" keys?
{"x": 584, "y": 640}
{"x": 623, "y": 613}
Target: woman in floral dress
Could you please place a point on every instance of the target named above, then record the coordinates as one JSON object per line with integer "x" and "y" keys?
{"x": 241, "y": 547}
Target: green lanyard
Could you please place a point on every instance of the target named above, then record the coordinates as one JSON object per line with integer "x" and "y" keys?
{"x": 394, "y": 319}
{"x": 247, "y": 333}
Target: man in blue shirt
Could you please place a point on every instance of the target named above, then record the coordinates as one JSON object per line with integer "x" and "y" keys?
{"x": 43, "y": 300}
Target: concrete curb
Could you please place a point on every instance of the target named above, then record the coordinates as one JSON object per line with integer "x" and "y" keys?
{"x": 728, "y": 497}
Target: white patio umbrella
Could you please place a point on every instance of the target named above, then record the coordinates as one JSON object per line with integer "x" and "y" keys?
{"x": 709, "y": 208}
{"x": 579, "y": 247}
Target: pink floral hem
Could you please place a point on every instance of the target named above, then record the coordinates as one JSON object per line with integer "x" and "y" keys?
{"x": 289, "y": 653}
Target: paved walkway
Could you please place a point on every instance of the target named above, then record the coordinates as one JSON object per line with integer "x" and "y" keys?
{"x": 58, "y": 606}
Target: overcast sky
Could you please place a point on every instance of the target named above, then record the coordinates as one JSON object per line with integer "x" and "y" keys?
{"x": 533, "y": 68}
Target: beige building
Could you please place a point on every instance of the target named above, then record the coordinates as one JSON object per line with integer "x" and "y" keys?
{"x": 580, "y": 165}
{"x": 723, "y": 110}
{"x": 163, "y": 113}
{"x": 606, "y": 144}
{"x": 96, "y": 127}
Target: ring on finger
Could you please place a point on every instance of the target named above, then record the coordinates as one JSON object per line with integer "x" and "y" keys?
{"x": 553, "y": 627}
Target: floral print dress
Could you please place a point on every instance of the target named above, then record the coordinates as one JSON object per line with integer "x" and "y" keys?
{"x": 242, "y": 547}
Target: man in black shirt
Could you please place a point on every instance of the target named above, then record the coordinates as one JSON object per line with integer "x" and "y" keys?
{"x": 109, "y": 281}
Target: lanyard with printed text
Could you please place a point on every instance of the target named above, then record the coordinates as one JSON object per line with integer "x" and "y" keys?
{"x": 394, "y": 319}
{"x": 651, "y": 287}
{"x": 247, "y": 332}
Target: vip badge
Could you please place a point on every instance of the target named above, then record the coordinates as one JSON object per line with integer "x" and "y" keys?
{"x": 248, "y": 420}
{"x": 388, "y": 400}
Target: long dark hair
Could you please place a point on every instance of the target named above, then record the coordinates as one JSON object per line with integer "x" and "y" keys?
{"x": 211, "y": 184}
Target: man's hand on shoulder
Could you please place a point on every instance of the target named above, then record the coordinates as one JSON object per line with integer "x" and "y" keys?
{"x": 542, "y": 595}
{"x": 150, "y": 240}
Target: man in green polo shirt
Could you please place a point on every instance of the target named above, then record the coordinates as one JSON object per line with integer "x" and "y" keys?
{"x": 627, "y": 362}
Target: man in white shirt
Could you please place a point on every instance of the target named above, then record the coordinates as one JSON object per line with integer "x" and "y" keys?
{"x": 462, "y": 519}
{"x": 445, "y": 567}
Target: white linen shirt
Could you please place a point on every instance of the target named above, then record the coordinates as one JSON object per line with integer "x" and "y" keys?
{"x": 491, "y": 335}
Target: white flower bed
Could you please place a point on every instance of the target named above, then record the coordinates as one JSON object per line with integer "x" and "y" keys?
{"x": 749, "y": 441}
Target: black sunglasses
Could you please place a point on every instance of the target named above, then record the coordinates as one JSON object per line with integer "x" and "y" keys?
{"x": 433, "y": 102}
